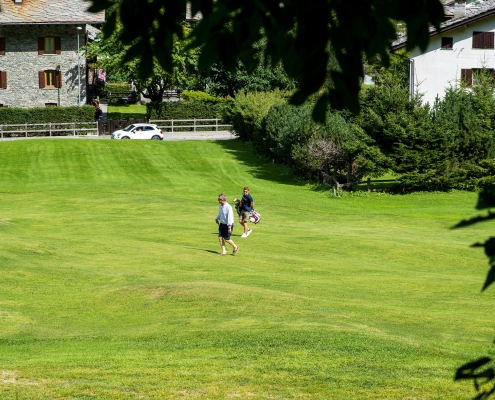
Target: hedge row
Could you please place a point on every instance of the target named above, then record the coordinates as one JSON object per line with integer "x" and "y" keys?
{"x": 184, "y": 110}
{"x": 46, "y": 114}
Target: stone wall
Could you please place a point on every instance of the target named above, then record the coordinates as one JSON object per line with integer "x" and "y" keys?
{"x": 22, "y": 64}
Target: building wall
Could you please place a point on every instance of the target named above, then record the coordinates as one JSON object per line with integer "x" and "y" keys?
{"x": 437, "y": 69}
{"x": 22, "y": 63}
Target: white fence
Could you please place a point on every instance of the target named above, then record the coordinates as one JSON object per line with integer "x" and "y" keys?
{"x": 189, "y": 125}
{"x": 49, "y": 129}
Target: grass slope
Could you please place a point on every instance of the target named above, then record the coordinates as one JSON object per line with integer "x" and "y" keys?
{"x": 111, "y": 287}
{"x": 126, "y": 111}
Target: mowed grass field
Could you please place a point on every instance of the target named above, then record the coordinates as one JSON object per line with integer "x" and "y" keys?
{"x": 111, "y": 286}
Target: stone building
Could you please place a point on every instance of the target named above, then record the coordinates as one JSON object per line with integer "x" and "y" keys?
{"x": 39, "y": 52}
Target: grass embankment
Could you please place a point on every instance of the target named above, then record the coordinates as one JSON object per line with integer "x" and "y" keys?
{"x": 126, "y": 111}
{"x": 111, "y": 287}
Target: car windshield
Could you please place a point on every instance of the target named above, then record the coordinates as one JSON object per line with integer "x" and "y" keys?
{"x": 127, "y": 129}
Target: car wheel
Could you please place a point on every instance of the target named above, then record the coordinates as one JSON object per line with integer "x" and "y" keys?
{"x": 155, "y": 137}
{"x": 125, "y": 137}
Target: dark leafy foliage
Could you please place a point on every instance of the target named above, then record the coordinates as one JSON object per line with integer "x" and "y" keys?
{"x": 298, "y": 33}
{"x": 46, "y": 114}
{"x": 184, "y": 110}
{"x": 227, "y": 83}
{"x": 480, "y": 371}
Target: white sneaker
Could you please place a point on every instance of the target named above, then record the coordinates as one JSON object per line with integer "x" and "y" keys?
{"x": 249, "y": 232}
{"x": 243, "y": 235}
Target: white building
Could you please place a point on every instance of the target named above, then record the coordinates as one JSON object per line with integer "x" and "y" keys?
{"x": 464, "y": 44}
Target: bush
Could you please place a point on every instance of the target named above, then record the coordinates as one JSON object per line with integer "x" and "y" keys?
{"x": 184, "y": 110}
{"x": 247, "y": 110}
{"x": 196, "y": 95}
{"x": 46, "y": 114}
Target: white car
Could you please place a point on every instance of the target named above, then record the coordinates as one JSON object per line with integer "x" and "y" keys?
{"x": 139, "y": 131}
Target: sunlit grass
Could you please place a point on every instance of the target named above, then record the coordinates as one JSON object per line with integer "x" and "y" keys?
{"x": 111, "y": 287}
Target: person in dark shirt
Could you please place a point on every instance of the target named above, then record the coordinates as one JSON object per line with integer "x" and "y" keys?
{"x": 247, "y": 207}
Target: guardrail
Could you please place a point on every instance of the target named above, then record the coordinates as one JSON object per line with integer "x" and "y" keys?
{"x": 49, "y": 129}
{"x": 180, "y": 125}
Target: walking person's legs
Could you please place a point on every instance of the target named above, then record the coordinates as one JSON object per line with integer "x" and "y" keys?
{"x": 235, "y": 247}
{"x": 222, "y": 245}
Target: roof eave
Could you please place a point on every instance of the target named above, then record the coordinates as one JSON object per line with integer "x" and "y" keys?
{"x": 52, "y": 23}
{"x": 451, "y": 27}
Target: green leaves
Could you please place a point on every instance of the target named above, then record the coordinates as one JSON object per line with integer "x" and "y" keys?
{"x": 486, "y": 198}
{"x": 297, "y": 32}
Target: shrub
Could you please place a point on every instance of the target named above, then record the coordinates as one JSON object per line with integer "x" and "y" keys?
{"x": 46, "y": 114}
{"x": 184, "y": 110}
{"x": 196, "y": 95}
{"x": 247, "y": 110}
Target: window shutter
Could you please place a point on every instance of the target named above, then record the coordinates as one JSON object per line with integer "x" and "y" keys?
{"x": 3, "y": 80}
{"x": 41, "y": 75}
{"x": 2, "y": 46}
{"x": 488, "y": 40}
{"x": 58, "y": 79}
{"x": 41, "y": 45}
{"x": 477, "y": 40}
{"x": 467, "y": 76}
{"x": 58, "y": 45}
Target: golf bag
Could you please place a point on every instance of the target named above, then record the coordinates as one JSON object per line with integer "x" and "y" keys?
{"x": 254, "y": 217}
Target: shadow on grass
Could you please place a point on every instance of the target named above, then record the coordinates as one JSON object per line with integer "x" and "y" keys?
{"x": 257, "y": 166}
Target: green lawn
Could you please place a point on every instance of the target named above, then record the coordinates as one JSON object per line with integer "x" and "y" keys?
{"x": 111, "y": 287}
{"x": 126, "y": 111}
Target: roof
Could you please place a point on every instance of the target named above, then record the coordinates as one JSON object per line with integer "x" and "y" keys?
{"x": 92, "y": 32}
{"x": 48, "y": 12}
{"x": 473, "y": 13}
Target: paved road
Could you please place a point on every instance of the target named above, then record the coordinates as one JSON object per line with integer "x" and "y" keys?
{"x": 176, "y": 136}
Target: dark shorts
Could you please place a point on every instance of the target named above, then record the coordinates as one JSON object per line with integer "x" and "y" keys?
{"x": 223, "y": 231}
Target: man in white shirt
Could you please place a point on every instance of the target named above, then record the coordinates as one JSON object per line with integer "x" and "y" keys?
{"x": 225, "y": 221}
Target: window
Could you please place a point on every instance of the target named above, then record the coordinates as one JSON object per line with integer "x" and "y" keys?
{"x": 3, "y": 80}
{"x": 471, "y": 77}
{"x": 50, "y": 104}
{"x": 49, "y": 45}
{"x": 50, "y": 79}
{"x": 483, "y": 40}
{"x": 447, "y": 43}
{"x": 2, "y": 46}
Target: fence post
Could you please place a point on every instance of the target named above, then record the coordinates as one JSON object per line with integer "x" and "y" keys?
{"x": 369, "y": 184}
{"x": 194, "y": 124}
{"x": 216, "y": 120}
{"x": 50, "y": 128}
{"x": 26, "y": 130}
{"x": 172, "y": 126}
{"x": 1, "y": 130}
{"x": 74, "y": 129}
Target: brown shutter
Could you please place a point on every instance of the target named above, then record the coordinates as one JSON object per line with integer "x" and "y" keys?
{"x": 2, "y": 46}
{"x": 41, "y": 45}
{"x": 41, "y": 75}
{"x": 58, "y": 45}
{"x": 467, "y": 76}
{"x": 477, "y": 40}
{"x": 58, "y": 79}
{"x": 488, "y": 40}
{"x": 3, "y": 79}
